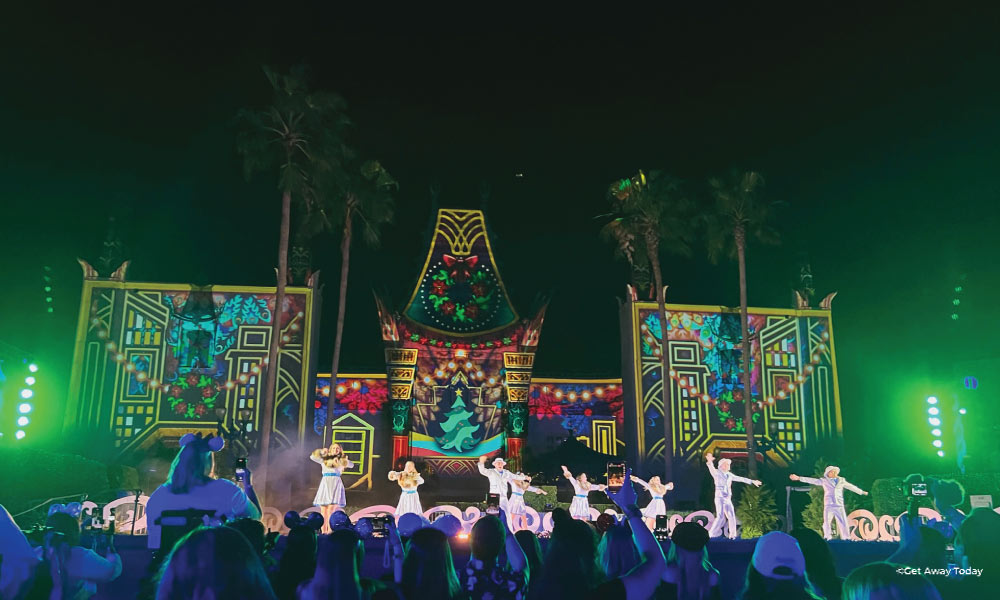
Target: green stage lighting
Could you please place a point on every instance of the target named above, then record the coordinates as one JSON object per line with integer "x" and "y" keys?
{"x": 33, "y": 368}
{"x": 933, "y": 411}
{"x": 937, "y": 443}
{"x": 931, "y": 400}
{"x": 24, "y": 408}
{"x": 19, "y": 435}
{"x": 26, "y": 393}
{"x": 936, "y": 432}
{"x": 941, "y": 453}
{"x": 29, "y": 380}
{"x": 22, "y": 421}
{"x": 936, "y": 422}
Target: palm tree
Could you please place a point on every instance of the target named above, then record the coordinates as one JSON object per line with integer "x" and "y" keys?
{"x": 362, "y": 194}
{"x": 650, "y": 216}
{"x": 736, "y": 214}
{"x": 301, "y": 136}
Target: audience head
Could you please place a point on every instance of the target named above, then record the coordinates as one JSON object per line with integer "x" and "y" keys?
{"x": 298, "y": 561}
{"x": 215, "y": 563}
{"x": 449, "y": 524}
{"x": 487, "y": 539}
{"x": 253, "y": 530}
{"x": 882, "y": 581}
{"x": 947, "y": 493}
{"x": 192, "y": 467}
{"x": 978, "y": 537}
{"x": 410, "y": 523}
{"x": 688, "y": 541}
{"x": 617, "y": 551}
{"x": 777, "y": 570}
{"x": 338, "y": 565}
{"x": 67, "y": 525}
{"x": 570, "y": 569}
{"x": 340, "y": 520}
{"x": 820, "y": 566}
{"x": 532, "y": 550}
{"x": 932, "y": 552}
{"x": 428, "y": 570}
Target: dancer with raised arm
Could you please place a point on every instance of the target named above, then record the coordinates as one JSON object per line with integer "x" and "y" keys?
{"x": 833, "y": 499}
{"x": 515, "y": 506}
{"x": 580, "y": 507}
{"x": 656, "y": 506}
{"x": 330, "y": 496}
{"x": 499, "y": 477}
{"x": 408, "y": 479}
{"x": 724, "y": 509}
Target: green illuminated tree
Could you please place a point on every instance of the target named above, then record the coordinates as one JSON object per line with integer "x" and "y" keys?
{"x": 458, "y": 428}
{"x": 300, "y": 136}
{"x": 650, "y": 216}
{"x": 736, "y": 213}
{"x": 757, "y": 511}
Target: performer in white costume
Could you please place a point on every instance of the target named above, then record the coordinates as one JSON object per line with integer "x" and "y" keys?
{"x": 330, "y": 496}
{"x": 408, "y": 479}
{"x": 515, "y": 507}
{"x": 580, "y": 507}
{"x": 724, "y": 495}
{"x": 656, "y": 506}
{"x": 833, "y": 499}
{"x": 499, "y": 477}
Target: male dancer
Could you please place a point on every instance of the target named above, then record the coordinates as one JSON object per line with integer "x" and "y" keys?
{"x": 724, "y": 495}
{"x": 499, "y": 477}
{"x": 833, "y": 499}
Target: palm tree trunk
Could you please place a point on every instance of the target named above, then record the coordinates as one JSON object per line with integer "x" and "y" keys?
{"x": 668, "y": 421}
{"x": 273, "y": 366}
{"x": 740, "y": 237}
{"x": 345, "y": 264}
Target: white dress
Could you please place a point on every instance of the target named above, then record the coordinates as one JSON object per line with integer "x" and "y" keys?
{"x": 515, "y": 506}
{"x": 331, "y": 488}
{"x": 409, "y": 501}
{"x": 656, "y": 506}
{"x": 579, "y": 508}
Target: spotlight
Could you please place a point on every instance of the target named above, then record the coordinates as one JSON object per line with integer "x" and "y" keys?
{"x": 936, "y": 432}
{"x": 941, "y": 453}
{"x": 33, "y": 368}
{"x": 24, "y": 408}
{"x": 19, "y": 435}
{"x": 26, "y": 393}
{"x": 933, "y": 410}
{"x": 22, "y": 421}
{"x": 936, "y": 422}
{"x": 961, "y": 411}
{"x": 29, "y": 380}
{"x": 937, "y": 443}
{"x": 931, "y": 400}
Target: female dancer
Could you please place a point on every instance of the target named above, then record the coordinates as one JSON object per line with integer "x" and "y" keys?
{"x": 330, "y": 496}
{"x": 515, "y": 506}
{"x": 580, "y": 508}
{"x": 656, "y": 506}
{"x": 408, "y": 479}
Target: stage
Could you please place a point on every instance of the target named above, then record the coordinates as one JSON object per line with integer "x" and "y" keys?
{"x": 730, "y": 557}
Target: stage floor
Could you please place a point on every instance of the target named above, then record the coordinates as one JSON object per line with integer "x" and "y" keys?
{"x": 730, "y": 557}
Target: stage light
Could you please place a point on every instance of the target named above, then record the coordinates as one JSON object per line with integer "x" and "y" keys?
{"x": 931, "y": 400}
{"x": 24, "y": 408}
{"x": 29, "y": 380}
{"x": 19, "y": 435}
{"x": 936, "y": 432}
{"x": 937, "y": 443}
{"x": 33, "y": 368}
{"x": 936, "y": 422}
{"x": 961, "y": 411}
{"x": 941, "y": 453}
{"x": 933, "y": 410}
{"x": 22, "y": 421}
{"x": 26, "y": 393}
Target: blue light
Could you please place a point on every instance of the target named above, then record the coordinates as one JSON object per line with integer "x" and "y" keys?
{"x": 931, "y": 399}
{"x": 933, "y": 410}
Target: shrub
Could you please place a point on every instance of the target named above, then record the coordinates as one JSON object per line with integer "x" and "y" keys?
{"x": 756, "y": 511}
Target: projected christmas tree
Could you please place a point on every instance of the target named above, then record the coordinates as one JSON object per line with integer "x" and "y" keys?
{"x": 458, "y": 428}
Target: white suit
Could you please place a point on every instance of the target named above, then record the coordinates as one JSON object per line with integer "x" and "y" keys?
{"x": 499, "y": 482}
{"x": 724, "y": 509}
{"x": 833, "y": 502}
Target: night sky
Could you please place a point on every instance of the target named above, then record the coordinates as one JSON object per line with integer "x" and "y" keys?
{"x": 878, "y": 129}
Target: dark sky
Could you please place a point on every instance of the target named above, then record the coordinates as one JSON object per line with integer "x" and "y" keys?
{"x": 878, "y": 128}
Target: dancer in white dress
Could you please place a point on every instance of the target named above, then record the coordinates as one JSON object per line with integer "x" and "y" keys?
{"x": 330, "y": 496}
{"x": 580, "y": 508}
{"x": 833, "y": 499}
{"x": 408, "y": 479}
{"x": 515, "y": 506}
{"x": 499, "y": 477}
{"x": 656, "y": 506}
{"x": 724, "y": 510}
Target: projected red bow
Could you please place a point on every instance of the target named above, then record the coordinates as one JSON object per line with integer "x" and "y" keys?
{"x": 461, "y": 268}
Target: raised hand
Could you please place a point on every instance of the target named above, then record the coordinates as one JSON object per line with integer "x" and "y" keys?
{"x": 482, "y": 459}
{"x": 710, "y": 457}
{"x": 626, "y": 495}
{"x": 793, "y": 477}
{"x": 670, "y": 485}
{"x": 757, "y": 482}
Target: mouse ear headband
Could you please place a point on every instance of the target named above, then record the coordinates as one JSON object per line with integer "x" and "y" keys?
{"x": 204, "y": 444}
{"x": 313, "y": 521}
{"x": 72, "y": 509}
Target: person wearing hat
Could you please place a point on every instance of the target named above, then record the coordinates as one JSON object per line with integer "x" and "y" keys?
{"x": 499, "y": 477}
{"x": 833, "y": 499}
{"x": 689, "y": 571}
{"x": 724, "y": 509}
{"x": 778, "y": 570}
